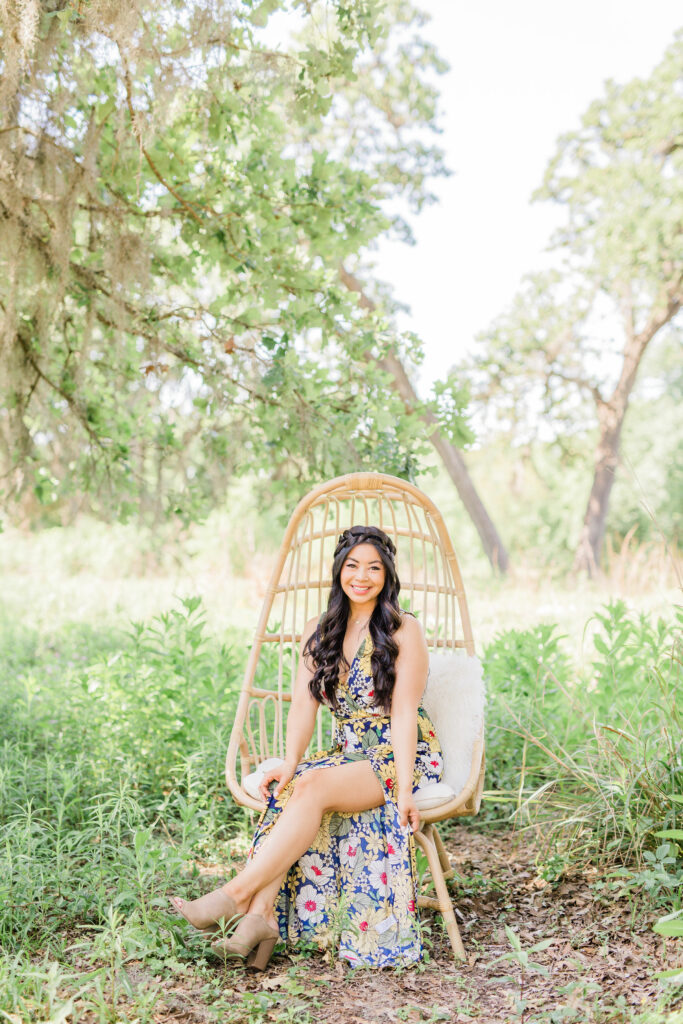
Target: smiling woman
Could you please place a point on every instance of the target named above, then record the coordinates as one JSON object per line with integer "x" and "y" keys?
{"x": 333, "y": 852}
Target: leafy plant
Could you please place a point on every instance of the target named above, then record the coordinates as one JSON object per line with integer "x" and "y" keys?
{"x": 523, "y": 670}
{"x": 522, "y": 957}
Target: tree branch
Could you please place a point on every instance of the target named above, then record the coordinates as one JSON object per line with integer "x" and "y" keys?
{"x": 452, "y": 458}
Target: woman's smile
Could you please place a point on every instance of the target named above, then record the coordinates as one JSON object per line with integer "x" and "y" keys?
{"x": 362, "y": 575}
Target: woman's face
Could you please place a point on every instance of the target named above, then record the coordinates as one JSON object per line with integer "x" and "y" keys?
{"x": 362, "y": 577}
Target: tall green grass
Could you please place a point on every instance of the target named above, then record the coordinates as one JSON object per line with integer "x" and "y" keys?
{"x": 591, "y": 757}
{"x": 111, "y": 787}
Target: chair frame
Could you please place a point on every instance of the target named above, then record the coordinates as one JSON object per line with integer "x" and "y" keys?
{"x": 260, "y": 710}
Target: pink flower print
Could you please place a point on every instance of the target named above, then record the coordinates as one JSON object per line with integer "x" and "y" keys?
{"x": 411, "y": 906}
{"x": 389, "y": 784}
{"x": 349, "y": 850}
{"x": 432, "y": 734}
{"x": 378, "y": 874}
{"x": 435, "y": 764}
{"x": 371, "y": 693}
{"x": 390, "y": 849}
{"x": 309, "y": 904}
{"x": 315, "y": 869}
{"x": 363, "y": 926}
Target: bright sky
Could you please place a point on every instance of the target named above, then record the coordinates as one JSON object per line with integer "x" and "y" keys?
{"x": 521, "y": 74}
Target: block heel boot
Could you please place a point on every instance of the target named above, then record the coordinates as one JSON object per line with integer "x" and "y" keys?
{"x": 206, "y": 913}
{"x": 253, "y": 940}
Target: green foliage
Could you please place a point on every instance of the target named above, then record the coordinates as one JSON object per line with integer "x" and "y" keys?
{"x": 111, "y": 763}
{"x": 111, "y": 782}
{"x": 524, "y": 670}
{"x": 591, "y": 757}
{"x": 157, "y": 707}
{"x": 567, "y": 352}
{"x": 619, "y": 178}
{"x": 170, "y": 282}
{"x": 521, "y": 957}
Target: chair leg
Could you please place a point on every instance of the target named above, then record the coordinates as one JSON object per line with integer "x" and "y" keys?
{"x": 425, "y": 840}
{"x": 444, "y": 859}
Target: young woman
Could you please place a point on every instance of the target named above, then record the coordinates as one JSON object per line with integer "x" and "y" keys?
{"x": 333, "y": 855}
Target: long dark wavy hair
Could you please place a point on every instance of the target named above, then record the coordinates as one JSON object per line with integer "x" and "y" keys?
{"x": 325, "y": 646}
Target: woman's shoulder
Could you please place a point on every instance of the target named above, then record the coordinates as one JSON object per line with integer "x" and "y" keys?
{"x": 310, "y": 627}
{"x": 410, "y": 630}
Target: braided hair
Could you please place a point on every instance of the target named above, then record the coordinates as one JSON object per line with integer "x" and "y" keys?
{"x": 325, "y": 646}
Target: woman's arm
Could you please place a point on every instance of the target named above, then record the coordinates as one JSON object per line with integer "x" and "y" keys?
{"x": 300, "y": 721}
{"x": 412, "y": 666}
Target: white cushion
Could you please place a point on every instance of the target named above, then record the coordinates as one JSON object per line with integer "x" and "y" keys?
{"x": 251, "y": 782}
{"x": 433, "y": 795}
{"x": 454, "y": 700}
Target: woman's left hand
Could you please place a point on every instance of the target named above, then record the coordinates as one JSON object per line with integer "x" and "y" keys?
{"x": 407, "y": 809}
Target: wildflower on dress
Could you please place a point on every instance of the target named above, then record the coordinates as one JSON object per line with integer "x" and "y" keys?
{"x": 310, "y": 905}
{"x": 431, "y": 764}
{"x": 315, "y": 869}
{"x": 350, "y": 850}
{"x": 378, "y": 874}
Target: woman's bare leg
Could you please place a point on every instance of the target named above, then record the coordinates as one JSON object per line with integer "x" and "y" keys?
{"x": 349, "y": 787}
{"x": 263, "y": 901}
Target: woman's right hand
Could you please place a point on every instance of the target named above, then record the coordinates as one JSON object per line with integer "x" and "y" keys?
{"x": 282, "y": 775}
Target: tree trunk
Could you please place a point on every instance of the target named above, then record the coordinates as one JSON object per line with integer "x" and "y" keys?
{"x": 452, "y": 459}
{"x": 611, "y": 415}
{"x": 591, "y": 539}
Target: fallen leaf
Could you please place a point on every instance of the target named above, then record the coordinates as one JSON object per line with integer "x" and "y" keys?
{"x": 275, "y": 982}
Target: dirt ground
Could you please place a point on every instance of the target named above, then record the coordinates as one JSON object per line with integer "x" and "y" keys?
{"x": 599, "y": 965}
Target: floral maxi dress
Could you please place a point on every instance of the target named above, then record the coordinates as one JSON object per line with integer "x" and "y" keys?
{"x": 357, "y": 884}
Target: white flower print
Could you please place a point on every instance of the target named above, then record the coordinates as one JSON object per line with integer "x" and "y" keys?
{"x": 315, "y": 869}
{"x": 394, "y": 853}
{"x": 432, "y": 764}
{"x": 378, "y": 873}
{"x": 310, "y": 904}
{"x": 349, "y": 850}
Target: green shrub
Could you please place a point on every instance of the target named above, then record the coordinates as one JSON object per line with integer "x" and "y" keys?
{"x": 524, "y": 670}
{"x": 111, "y": 766}
{"x": 595, "y": 755}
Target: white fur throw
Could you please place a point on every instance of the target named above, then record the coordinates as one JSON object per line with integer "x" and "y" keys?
{"x": 454, "y": 700}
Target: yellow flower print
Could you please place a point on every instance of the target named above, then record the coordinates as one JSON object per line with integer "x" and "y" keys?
{"x": 375, "y": 845}
{"x": 363, "y": 922}
{"x": 365, "y": 660}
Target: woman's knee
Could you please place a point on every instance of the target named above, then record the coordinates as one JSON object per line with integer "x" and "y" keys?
{"x": 310, "y": 787}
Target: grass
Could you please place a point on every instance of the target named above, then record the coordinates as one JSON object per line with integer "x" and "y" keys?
{"x": 115, "y": 710}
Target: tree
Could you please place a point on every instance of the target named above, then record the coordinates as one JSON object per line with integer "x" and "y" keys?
{"x": 446, "y": 446}
{"x": 570, "y": 348}
{"x": 175, "y": 199}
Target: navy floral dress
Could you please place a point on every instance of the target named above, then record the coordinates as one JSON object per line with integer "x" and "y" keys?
{"x": 357, "y": 884}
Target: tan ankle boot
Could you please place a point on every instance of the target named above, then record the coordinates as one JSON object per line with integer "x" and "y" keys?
{"x": 206, "y": 912}
{"x": 253, "y": 939}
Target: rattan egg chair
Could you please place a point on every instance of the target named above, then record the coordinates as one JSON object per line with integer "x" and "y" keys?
{"x": 431, "y": 587}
